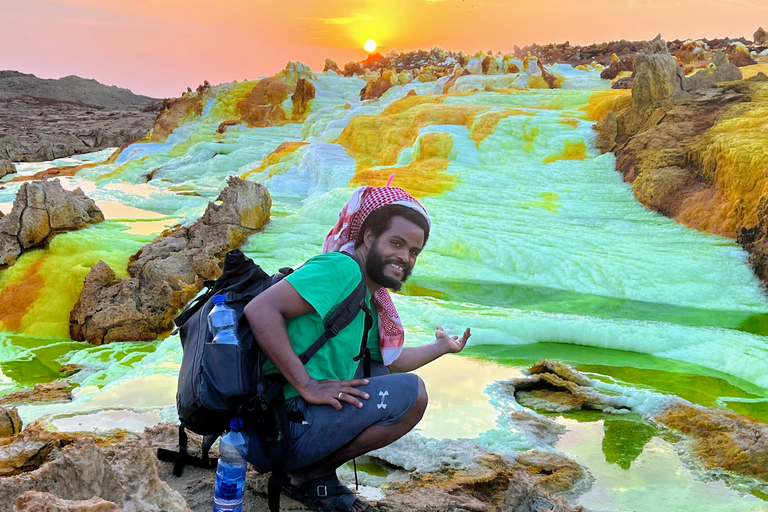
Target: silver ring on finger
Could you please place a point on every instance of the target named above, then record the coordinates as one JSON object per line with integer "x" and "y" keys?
{"x": 339, "y": 396}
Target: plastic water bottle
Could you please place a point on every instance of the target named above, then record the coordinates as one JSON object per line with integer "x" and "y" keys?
{"x": 230, "y": 474}
{"x": 222, "y": 321}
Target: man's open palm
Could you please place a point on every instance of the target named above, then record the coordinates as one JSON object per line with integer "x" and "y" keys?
{"x": 454, "y": 344}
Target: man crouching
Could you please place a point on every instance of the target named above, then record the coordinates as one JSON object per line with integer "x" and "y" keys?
{"x": 335, "y": 414}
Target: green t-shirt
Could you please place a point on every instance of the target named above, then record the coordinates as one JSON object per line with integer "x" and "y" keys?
{"x": 325, "y": 281}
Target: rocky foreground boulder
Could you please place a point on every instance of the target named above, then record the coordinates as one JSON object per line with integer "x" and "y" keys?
{"x": 40, "y": 211}
{"x": 6, "y": 168}
{"x": 168, "y": 272}
{"x": 122, "y": 473}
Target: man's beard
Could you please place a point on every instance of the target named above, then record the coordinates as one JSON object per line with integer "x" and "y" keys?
{"x": 374, "y": 267}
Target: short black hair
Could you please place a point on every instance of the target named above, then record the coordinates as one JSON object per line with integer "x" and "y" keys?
{"x": 379, "y": 220}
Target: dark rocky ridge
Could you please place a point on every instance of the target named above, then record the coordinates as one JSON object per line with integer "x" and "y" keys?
{"x": 71, "y": 88}
{"x": 43, "y": 119}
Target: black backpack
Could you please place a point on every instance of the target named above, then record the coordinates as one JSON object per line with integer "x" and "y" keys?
{"x": 219, "y": 381}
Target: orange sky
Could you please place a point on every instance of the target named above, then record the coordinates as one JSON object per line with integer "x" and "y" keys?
{"x": 159, "y": 47}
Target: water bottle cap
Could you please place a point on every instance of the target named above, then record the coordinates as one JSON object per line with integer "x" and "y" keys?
{"x": 236, "y": 424}
{"x": 219, "y": 299}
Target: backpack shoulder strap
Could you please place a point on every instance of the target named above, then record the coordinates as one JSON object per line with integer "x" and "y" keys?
{"x": 341, "y": 317}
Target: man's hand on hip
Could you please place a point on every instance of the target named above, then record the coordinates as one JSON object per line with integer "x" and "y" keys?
{"x": 334, "y": 392}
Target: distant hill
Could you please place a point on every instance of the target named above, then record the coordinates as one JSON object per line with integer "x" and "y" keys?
{"x": 71, "y": 88}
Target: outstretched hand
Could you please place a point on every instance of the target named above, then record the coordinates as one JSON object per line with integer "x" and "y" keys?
{"x": 453, "y": 344}
{"x": 334, "y": 392}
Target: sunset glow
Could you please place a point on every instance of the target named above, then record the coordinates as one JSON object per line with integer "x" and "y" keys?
{"x": 158, "y": 48}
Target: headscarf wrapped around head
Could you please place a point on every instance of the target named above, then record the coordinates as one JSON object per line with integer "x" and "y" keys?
{"x": 343, "y": 237}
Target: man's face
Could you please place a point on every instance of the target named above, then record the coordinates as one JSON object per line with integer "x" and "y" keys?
{"x": 392, "y": 255}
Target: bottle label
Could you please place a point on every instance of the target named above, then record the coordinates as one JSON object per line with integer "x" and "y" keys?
{"x": 228, "y": 491}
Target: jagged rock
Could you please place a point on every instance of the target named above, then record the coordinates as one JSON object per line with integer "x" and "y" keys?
{"x": 555, "y": 387}
{"x": 10, "y": 422}
{"x": 760, "y": 36}
{"x": 722, "y": 439}
{"x": 739, "y": 55}
{"x": 55, "y": 391}
{"x": 375, "y": 88}
{"x": 34, "y": 501}
{"x": 303, "y": 93}
{"x": 122, "y": 470}
{"x": 168, "y": 272}
{"x": 723, "y": 70}
{"x": 330, "y": 65}
{"x": 40, "y": 211}
{"x": 70, "y": 369}
{"x": 6, "y": 168}
{"x": 654, "y": 187}
{"x": 657, "y": 77}
{"x": 617, "y": 66}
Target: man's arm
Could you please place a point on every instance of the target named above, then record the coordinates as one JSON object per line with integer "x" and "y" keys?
{"x": 266, "y": 314}
{"x": 412, "y": 358}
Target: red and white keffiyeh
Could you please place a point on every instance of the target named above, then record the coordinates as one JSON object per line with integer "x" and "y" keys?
{"x": 342, "y": 238}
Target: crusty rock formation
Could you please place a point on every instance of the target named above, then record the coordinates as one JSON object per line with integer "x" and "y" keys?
{"x": 721, "y": 439}
{"x": 696, "y": 151}
{"x": 618, "y": 66}
{"x": 167, "y": 272}
{"x": 56, "y": 391}
{"x": 123, "y": 470}
{"x": 40, "y": 211}
{"x": 35, "y": 501}
{"x": 6, "y": 167}
{"x": 122, "y": 473}
{"x": 760, "y": 36}
{"x": 10, "y": 422}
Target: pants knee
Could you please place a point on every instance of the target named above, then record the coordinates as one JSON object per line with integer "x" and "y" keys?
{"x": 422, "y": 399}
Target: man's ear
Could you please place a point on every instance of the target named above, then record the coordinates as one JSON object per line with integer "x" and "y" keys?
{"x": 368, "y": 238}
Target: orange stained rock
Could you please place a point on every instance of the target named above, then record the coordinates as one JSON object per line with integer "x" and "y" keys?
{"x": 487, "y": 123}
{"x": 177, "y": 111}
{"x": 574, "y": 150}
{"x": 377, "y": 140}
{"x": 750, "y": 71}
{"x": 263, "y": 105}
{"x": 733, "y": 157}
{"x": 283, "y": 150}
{"x": 722, "y": 439}
{"x": 569, "y": 121}
{"x": 602, "y": 102}
{"x": 424, "y": 176}
{"x": 56, "y": 172}
{"x": 302, "y": 94}
{"x": 19, "y": 296}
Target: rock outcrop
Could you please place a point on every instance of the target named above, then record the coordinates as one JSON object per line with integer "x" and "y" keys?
{"x": 626, "y": 64}
{"x": 40, "y": 211}
{"x": 10, "y": 422}
{"x": 35, "y": 501}
{"x": 6, "y": 168}
{"x": 168, "y": 272}
{"x": 122, "y": 473}
{"x": 694, "y": 147}
{"x": 760, "y": 36}
{"x": 71, "y": 88}
{"x": 55, "y": 391}
{"x": 34, "y": 129}
{"x": 721, "y": 439}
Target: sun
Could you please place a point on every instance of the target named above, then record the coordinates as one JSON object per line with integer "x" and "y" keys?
{"x": 370, "y": 45}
